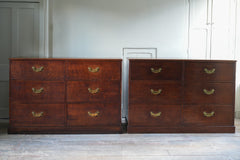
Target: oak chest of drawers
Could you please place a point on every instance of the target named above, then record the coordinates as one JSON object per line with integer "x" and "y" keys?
{"x": 65, "y": 96}
{"x": 181, "y": 96}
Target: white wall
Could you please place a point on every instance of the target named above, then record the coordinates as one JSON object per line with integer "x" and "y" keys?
{"x": 101, "y": 28}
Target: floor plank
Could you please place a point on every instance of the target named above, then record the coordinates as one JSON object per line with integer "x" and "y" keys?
{"x": 121, "y": 146}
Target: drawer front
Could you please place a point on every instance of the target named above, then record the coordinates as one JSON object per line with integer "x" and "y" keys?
{"x": 94, "y": 91}
{"x": 208, "y": 115}
{"x": 89, "y": 70}
{"x": 154, "y": 115}
{"x": 37, "y": 91}
{"x": 209, "y": 71}
{"x": 37, "y": 70}
{"x": 209, "y": 93}
{"x": 94, "y": 114}
{"x": 155, "y": 92}
{"x": 155, "y": 70}
{"x": 32, "y": 115}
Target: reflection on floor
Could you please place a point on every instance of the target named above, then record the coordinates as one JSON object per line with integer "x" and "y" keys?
{"x": 121, "y": 146}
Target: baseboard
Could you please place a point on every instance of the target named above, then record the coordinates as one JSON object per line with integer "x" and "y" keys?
{"x": 4, "y": 113}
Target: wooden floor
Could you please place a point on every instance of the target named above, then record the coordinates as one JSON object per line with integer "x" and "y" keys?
{"x": 121, "y": 146}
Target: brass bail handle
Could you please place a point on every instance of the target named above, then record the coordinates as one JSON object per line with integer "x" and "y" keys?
{"x": 93, "y": 114}
{"x": 155, "y": 114}
{"x": 209, "y": 71}
{"x": 93, "y": 91}
{"x": 37, "y": 69}
{"x": 93, "y": 70}
{"x": 37, "y": 91}
{"x": 209, "y": 92}
{"x": 37, "y": 115}
{"x": 156, "y": 92}
{"x": 206, "y": 114}
{"x": 156, "y": 70}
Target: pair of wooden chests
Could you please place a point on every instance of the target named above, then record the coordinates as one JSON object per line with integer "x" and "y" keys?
{"x": 84, "y": 96}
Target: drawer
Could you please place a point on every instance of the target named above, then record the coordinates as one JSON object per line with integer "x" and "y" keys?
{"x": 154, "y": 115}
{"x": 37, "y": 91}
{"x": 94, "y": 114}
{"x": 31, "y": 115}
{"x": 94, "y": 91}
{"x": 37, "y": 70}
{"x": 208, "y": 115}
{"x": 155, "y": 92}
{"x": 209, "y": 71}
{"x": 155, "y": 70}
{"x": 89, "y": 70}
{"x": 209, "y": 93}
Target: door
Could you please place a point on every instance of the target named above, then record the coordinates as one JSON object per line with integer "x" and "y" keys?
{"x": 19, "y": 30}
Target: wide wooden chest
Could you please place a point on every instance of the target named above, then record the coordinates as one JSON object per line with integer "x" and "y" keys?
{"x": 65, "y": 95}
{"x": 181, "y": 96}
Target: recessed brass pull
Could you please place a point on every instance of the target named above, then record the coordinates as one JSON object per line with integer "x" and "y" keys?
{"x": 40, "y": 69}
{"x": 156, "y": 70}
{"x": 155, "y": 92}
{"x": 208, "y": 92}
{"x": 37, "y": 91}
{"x": 155, "y": 114}
{"x": 209, "y": 71}
{"x": 93, "y": 70}
{"x": 93, "y": 91}
{"x": 208, "y": 114}
{"x": 37, "y": 115}
{"x": 93, "y": 114}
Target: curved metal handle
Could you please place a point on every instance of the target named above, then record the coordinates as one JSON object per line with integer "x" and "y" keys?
{"x": 39, "y": 69}
{"x": 208, "y": 92}
{"x": 155, "y": 114}
{"x": 37, "y": 91}
{"x": 93, "y": 114}
{"x": 93, "y": 70}
{"x": 156, "y": 70}
{"x": 208, "y": 114}
{"x": 209, "y": 71}
{"x": 155, "y": 92}
{"x": 37, "y": 115}
{"x": 93, "y": 91}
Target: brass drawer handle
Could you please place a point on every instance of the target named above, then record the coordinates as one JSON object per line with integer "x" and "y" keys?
{"x": 93, "y": 91}
{"x": 93, "y": 114}
{"x": 208, "y": 114}
{"x": 155, "y": 114}
{"x": 156, "y": 70}
{"x": 40, "y": 69}
{"x": 208, "y": 92}
{"x": 155, "y": 92}
{"x": 37, "y": 91}
{"x": 37, "y": 115}
{"x": 209, "y": 71}
{"x": 93, "y": 70}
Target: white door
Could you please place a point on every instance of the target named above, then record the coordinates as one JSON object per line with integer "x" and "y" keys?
{"x": 212, "y": 29}
{"x": 19, "y": 37}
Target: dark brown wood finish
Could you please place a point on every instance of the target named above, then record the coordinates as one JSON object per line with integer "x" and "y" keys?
{"x": 143, "y": 91}
{"x": 107, "y": 70}
{"x": 155, "y": 115}
{"x": 47, "y": 95}
{"x": 24, "y": 91}
{"x": 31, "y": 70}
{"x": 81, "y": 91}
{"x": 94, "y": 114}
{"x": 141, "y": 70}
{"x": 200, "y": 96}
